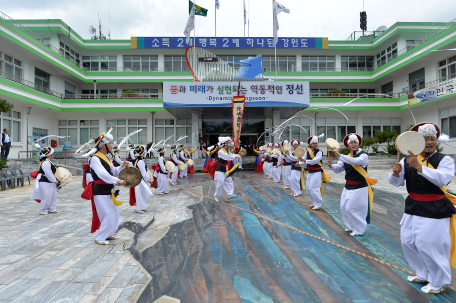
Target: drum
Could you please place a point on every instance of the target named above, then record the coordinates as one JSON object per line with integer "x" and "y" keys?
{"x": 243, "y": 152}
{"x": 331, "y": 144}
{"x": 268, "y": 149}
{"x": 64, "y": 176}
{"x": 131, "y": 175}
{"x": 261, "y": 148}
{"x": 150, "y": 175}
{"x": 299, "y": 152}
{"x": 412, "y": 141}
{"x": 170, "y": 166}
{"x": 190, "y": 162}
{"x": 181, "y": 166}
{"x": 276, "y": 151}
{"x": 287, "y": 147}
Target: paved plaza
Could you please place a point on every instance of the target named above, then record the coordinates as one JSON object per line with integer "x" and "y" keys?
{"x": 189, "y": 248}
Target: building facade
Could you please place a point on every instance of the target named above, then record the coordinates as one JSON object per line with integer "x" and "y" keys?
{"x": 62, "y": 84}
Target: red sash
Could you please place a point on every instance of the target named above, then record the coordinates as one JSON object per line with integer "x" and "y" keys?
{"x": 426, "y": 197}
{"x": 87, "y": 194}
{"x": 350, "y": 182}
{"x": 132, "y": 196}
{"x": 86, "y": 168}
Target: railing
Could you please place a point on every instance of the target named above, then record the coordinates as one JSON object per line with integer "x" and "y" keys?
{"x": 419, "y": 41}
{"x": 364, "y": 36}
{"x": 35, "y": 37}
{"x": 430, "y": 84}
{"x": 348, "y": 95}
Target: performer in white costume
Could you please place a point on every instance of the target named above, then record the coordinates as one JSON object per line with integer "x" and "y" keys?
{"x": 201, "y": 148}
{"x": 296, "y": 174}
{"x": 45, "y": 187}
{"x": 275, "y": 165}
{"x": 162, "y": 174}
{"x": 354, "y": 202}
{"x": 429, "y": 213}
{"x": 286, "y": 167}
{"x": 105, "y": 212}
{"x": 141, "y": 192}
{"x": 183, "y": 158}
{"x": 222, "y": 166}
{"x": 268, "y": 162}
{"x": 237, "y": 160}
{"x": 175, "y": 160}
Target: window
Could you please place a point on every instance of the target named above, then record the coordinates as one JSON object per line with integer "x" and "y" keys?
{"x": 295, "y": 129}
{"x": 71, "y": 128}
{"x": 318, "y": 63}
{"x": 12, "y": 67}
{"x": 417, "y": 80}
{"x": 371, "y": 125}
{"x": 69, "y": 90}
{"x": 165, "y": 128}
{"x": 447, "y": 69}
{"x": 387, "y": 54}
{"x": 448, "y": 121}
{"x": 231, "y": 58}
{"x": 284, "y": 63}
{"x": 409, "y": 44}
{"x": 99, "y": 63}
{"x": 357, "y": 63}
{"x": 141, "y": 63}
{"x": 12, "y": 121}
{"x": 42, "y": 80}
{"x": 387, "y": 88}
{"x": 69, "y": 53}
{"x": 336, "y": 128}
{"x": 175, "y": 63}
{"x": 145, "y": 92}
{"x": 123, "y": 127}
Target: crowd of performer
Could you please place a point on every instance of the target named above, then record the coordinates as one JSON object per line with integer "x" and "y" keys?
{"x": 428, "y": 226}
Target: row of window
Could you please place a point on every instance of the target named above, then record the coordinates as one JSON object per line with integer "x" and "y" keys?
{"x": 12, "y": 121}
{"x": 99, "y": 63}
{"x": 11, "y": 66}
{"x": 447, "y": 68}
{"x": 345, "y": 90}
{"x": 69, "y": 53}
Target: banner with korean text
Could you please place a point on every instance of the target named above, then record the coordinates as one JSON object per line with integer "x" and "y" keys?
{"x": 238, "y": 111}
{"x": 220, "y": 94}
{"x": 441, "y": 89}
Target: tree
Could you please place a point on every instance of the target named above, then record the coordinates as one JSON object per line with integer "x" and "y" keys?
{"x": 368, "y": 143}
{"x": 387, "y": 136}
{"x": 336, "y": 92}
{"x": 5, "y": 106}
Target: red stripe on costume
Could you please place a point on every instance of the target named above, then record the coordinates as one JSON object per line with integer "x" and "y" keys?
{"x": 426, "y": 197}
{"x": 350, "y": 182}
{"x": 315, "y": 168}
{"x": 87, "y": 194}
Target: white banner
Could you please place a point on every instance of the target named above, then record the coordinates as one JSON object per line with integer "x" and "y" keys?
{"x": 220, "y": 94}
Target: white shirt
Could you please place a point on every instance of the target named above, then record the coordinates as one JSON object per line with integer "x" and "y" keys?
{"x": 161, "y": 163}
{"x": 440, "y": 176}
{"x": 46, "y": 166}
{"x": 101, "y": 172}
{"x": 141, "y": 165}
{"x": 362, "y": 160}
{"x": 225, "y": 156}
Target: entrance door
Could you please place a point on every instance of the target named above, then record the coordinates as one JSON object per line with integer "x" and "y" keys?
{"x": 248, "y": 141}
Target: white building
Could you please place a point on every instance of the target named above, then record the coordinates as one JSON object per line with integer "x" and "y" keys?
{"x": 48, "y": 72}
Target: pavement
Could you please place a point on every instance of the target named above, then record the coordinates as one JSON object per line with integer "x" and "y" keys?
{"x": 188, "y": 248}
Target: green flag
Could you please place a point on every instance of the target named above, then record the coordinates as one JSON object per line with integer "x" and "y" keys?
{"x": 199, "y": 11}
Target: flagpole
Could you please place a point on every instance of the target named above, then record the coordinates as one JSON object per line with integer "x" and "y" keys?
{"x": 275, "y": 44}
{"x": 215, "y": 10}
{"x": 194, "y": 43}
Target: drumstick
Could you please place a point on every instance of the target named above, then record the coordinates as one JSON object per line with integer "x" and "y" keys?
{"x": 398, "y": 156}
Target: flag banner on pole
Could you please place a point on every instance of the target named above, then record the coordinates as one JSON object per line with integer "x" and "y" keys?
{"x": 238, "y": 111}
{"x": 278, "y": 8}
{"x": 190, "y": 24}
{"x": 217, "y": 4}
{"x": 199, "y": 11}
{"x": 245, "y": 14}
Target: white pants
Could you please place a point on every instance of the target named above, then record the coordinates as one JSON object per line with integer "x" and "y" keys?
{"x": 48, "y": 196}
{"x": 141, "y": 194}
{"x": 354, "y": 207}
{"x": 108, "y": 214}
{"x": 201, "y": 153}
{"x": 184, "y": 172}
{"x": 268, "y": 168}
{"x": 275, "y": 173}
{"x": 295, "y": 181}
{"x": 162, "y": 180}
{"x": 426, "y": 243}
{"x": 222, "y": 182}
{"x": 313, "y": 185}
{"x": 174, "y": 176}
{"x": 238, "y": 160}
{"x": 286, "y": 171}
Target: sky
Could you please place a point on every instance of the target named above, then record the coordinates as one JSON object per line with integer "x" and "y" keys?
{"x": 335, "y": 19}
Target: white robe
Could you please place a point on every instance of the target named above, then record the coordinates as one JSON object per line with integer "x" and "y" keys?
{"x": 267, "y": 166}
{"x": 425, "y": 241}
{"x": 220, "y": 180}
{"x": 44, "y": 191}
{"x": 176, "y": 172}
{"x": 162, "y": 179}
{"x": 295, "y": 176}
{"x": 313, "y": 182}
{"x": 182, "y": 156}
{"x": 107, "y": 212}
{"x": 275, "y": 170}
{"x": 142, "y": 191}
{"x": 285, "y": 171}
{"x": 354, "y": 204}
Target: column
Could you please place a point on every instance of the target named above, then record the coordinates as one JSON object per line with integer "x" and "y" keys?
{"x": 275, "y": 123}
{"x": 195, "y": 131}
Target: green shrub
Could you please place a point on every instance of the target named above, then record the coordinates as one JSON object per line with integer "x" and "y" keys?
{"x": 3, "y": 163}
{"x": 387, "y": 136}
{"x": 344, "y": 151}
{"x": 336, "y": 92}
{"x": 5, "y": 107}
{"x": 368, "y": 143}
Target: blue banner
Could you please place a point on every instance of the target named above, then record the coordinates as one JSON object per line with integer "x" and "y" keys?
{"x": 229, "y": 42}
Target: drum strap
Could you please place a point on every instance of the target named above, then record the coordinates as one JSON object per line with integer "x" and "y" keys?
{"x": 370, "y": 182}
{"x": 324, "y": 176}
{"x": 452, "y": 197}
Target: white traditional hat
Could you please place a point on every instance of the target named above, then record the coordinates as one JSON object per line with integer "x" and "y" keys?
{"x": 224, "y": 140}
{"x": 46, "y": 152}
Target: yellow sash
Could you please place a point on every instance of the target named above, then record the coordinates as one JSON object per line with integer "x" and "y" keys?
{"x": 370, "y": 182}
{"x": 452, "y": 198}
{"x": 324, "y": 176}
{"x": 104, "y": 158}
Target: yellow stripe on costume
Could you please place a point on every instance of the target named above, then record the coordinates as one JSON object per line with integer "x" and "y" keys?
{"x": 104, "y": 158}
{"x": 324, "y": 176}
{"x": 452, "y": 219}
{"x": 369, "y": 181}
